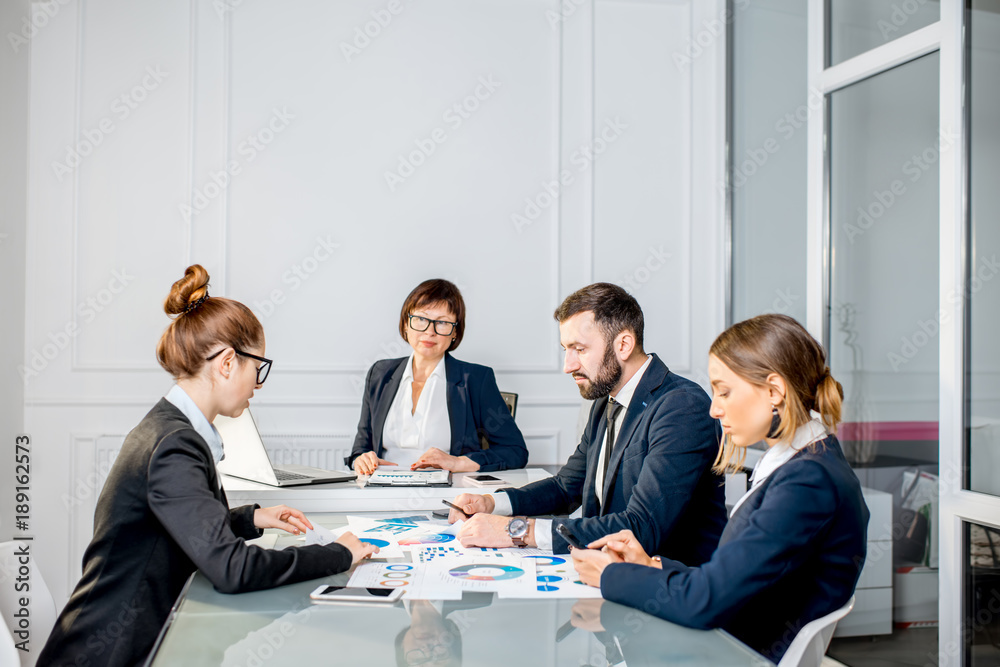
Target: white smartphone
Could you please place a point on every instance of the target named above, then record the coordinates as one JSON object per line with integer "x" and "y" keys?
{"x": 327, "y": 593}
{"x": 484, "y": 480}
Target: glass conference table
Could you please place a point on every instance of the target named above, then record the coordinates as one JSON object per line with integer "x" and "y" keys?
{"x": 282, "y": 627}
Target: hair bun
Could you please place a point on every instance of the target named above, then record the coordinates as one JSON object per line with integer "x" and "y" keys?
{"x": 187, "y": 291}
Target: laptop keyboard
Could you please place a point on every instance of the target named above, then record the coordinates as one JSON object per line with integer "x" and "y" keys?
{"x": 285, "y": 476}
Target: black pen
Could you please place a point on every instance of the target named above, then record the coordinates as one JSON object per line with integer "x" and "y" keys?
{"x": 456, "y": 507}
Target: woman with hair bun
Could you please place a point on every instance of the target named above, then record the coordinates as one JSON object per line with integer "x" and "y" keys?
{"x": 163, "y": 513}
{"x": 795, "y": 543}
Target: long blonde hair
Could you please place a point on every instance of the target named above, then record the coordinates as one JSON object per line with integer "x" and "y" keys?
{"x": 755, "y": 348}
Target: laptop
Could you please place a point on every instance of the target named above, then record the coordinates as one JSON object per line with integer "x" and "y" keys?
{"x": 246, "y": 457}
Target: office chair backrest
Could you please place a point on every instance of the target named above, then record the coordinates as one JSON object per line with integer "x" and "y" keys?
{"x": 511, "y": 401}
{"x": 41, "y": 609}
{"x": 809, "y": 646}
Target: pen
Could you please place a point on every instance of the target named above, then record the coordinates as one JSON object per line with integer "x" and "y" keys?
{"x": 456, "y": 507}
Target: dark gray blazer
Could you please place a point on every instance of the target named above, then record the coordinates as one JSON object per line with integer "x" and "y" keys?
{"x": 161, "y": 515}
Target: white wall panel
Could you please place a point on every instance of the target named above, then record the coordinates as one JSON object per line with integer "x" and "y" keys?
{"x": 490, "y": 208}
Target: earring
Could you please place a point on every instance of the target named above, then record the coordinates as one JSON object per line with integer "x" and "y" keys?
{"x": 775, "y": 422}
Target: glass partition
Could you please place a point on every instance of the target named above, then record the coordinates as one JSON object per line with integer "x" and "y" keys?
{"x": 856, "y": 26}
{"x": 769, "y": 110}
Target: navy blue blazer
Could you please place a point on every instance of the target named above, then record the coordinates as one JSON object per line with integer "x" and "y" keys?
{"x": 660, "y": 484}
{"x": 792, "y": 553}
{"x": 475, "y": 408}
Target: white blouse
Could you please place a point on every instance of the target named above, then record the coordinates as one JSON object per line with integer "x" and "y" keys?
{"x": 780, "y": 453}
{"x": 406, "y": 435}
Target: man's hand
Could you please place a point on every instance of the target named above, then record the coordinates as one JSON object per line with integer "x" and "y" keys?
{"x": 485, "y": 530}
{"x": 283, "y": 517}
{"x": 368, "y": 463}
{"x": 436, "y": 458}
{"x": 359, "y": 550}
{"x": 471, "y": 503}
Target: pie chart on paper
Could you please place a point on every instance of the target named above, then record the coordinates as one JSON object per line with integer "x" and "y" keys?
{"x": 381, "y": 544}
{"x": 476, "y": 572}
{"x": 436, "y": 538}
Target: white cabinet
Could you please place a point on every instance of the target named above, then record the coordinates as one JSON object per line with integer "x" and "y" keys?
{"x": 872, "y": 613}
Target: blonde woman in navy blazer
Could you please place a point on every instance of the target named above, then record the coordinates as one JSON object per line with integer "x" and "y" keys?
{"x": 432, "y": 321}
{"x": 795, "y": 543}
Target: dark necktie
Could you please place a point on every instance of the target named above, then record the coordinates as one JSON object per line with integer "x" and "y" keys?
{"x": 614, "y": 407}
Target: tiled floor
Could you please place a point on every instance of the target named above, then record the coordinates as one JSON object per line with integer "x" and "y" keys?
{"x": 917, "y": 647}
{"x": 913, "y": 647}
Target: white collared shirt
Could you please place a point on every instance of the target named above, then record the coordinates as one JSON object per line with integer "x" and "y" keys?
{"x": 543, "y": 527}
{"x": 408, "y": 433}
{"x": 179, "y": 398}
{"x": 624, "y": 397}
{"x": 779, "y": 454}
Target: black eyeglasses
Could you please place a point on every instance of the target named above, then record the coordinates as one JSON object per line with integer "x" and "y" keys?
{"x": 421, "y": 656}
{"x": 441, "y": 327}
{"x": 262, "y": 370}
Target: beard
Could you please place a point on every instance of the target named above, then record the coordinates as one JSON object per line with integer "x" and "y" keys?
{"x": 607, "y": 377}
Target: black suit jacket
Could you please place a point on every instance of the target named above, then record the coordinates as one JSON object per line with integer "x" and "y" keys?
{"x": 161, "y": 515}
{"x": 659, "y": 484}
{"x": 475, "y": 408}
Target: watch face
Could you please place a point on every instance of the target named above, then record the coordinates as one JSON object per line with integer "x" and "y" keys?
{"x": 517, "y": 528}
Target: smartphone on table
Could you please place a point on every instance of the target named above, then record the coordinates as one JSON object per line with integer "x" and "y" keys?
{"x": 326, "y": 593}
{"x": 484, "y": 480}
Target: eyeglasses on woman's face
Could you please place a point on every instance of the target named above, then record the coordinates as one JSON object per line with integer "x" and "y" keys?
{"x": 441, "y": 327}
{"x": 262, "y": 370}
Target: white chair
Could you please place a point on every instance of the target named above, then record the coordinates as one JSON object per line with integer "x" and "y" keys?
{"x": 810, "y": 644}
{"x": 8, "y": 653}
{"x": 42, "y": 608}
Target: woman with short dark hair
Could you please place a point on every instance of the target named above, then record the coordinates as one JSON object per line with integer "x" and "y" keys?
{"x": 430, "y": 410}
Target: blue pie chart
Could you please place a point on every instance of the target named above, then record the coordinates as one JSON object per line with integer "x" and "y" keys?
{"x": 378, "y": 543}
